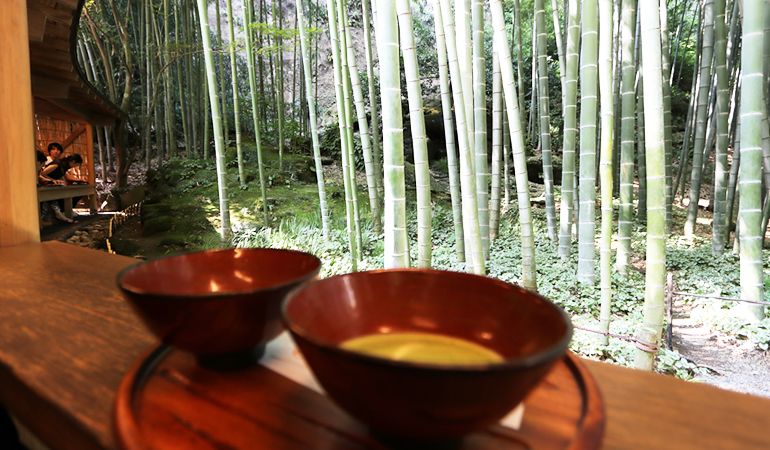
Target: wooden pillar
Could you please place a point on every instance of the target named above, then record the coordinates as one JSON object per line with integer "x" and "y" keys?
{"x": 18, "y": 193}
{"x": 92, "y": 164}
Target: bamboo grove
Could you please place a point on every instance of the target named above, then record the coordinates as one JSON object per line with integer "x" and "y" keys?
{"x": 607, "y": 84}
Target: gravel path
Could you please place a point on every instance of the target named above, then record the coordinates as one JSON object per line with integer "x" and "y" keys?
{"x": 739, "y": 368}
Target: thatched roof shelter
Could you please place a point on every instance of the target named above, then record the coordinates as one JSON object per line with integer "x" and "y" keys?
{"x": 41, "y": 83}
{"x": 59, "y": 88}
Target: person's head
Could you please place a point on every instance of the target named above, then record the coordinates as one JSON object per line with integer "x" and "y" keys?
{"x": 55, "y": 150}
{"x": 71, "y": 161}
{"x": 40, "y": 159}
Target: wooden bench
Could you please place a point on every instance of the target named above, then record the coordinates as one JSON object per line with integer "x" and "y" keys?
{"x": 67, "y": 193}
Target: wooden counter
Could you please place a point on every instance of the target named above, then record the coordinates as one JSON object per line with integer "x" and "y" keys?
{"x": 67, "y": 338}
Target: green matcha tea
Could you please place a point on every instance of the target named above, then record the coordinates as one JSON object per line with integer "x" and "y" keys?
{"x": 425, "y": 348}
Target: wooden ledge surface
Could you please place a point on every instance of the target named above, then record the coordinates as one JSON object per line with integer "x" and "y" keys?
{"x": 66, "y": 335}
{"x": 652, "y": 411}
{"x": 67, "y": 339}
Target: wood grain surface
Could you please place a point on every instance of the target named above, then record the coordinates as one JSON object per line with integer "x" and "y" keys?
{"x": 647, "y": 410}
{"x": 66, "y": 336}
{"x": 167, "y": 401}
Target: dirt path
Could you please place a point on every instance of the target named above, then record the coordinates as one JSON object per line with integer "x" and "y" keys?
{"x": 739, "y": 368}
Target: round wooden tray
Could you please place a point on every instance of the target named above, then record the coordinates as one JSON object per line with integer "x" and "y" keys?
{"x": 167, "y": 401}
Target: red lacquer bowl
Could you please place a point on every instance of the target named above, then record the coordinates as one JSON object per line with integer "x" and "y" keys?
{"x": 416, "y": 400}
{"x": 222, "y": 305}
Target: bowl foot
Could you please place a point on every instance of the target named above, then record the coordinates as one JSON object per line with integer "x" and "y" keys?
{"x": 227, "y": 362}
{"x": 415, "y": 444}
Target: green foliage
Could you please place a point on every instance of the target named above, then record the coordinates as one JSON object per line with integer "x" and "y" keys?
{"x": 306, "y": 236}
{"x": 758, "y": 333}
{"x": 331, "y": 146}
{"x": 672, "y": 363}
{"x": 363, "y": 77}
{"x": 425, "y": 42}
{"x": 556, "y": 278}
{"x": 275, "y": 33}
{"x": 718, "y": 315}
{"x": 189, "y": 174}
{"x": 698, "y": 271}
{"x": 188, "y": 168}
{"x": 589, "y": 344}
{"x": 299, "y": 142}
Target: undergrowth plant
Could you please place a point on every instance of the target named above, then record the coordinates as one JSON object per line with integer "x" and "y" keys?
{"x": 696, "y": 270}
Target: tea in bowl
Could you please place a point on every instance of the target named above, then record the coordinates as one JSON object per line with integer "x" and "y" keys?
{"x": 424, "y": 354}
{"x": 222, "y": 305}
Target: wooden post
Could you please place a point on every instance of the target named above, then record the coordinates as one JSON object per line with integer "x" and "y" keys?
{"x": 669, "y": 308}
{"x": 18, "y": 201}
{"x": 91, "y": 164}
{"x": 647, "y": 345}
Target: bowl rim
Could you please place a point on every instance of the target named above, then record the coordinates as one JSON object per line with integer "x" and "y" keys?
{"x": 214, "y": 295}
{"x": 544, "y": 356}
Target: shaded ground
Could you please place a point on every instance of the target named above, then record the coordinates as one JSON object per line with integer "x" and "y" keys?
{"x": 62, "y": 231}
{"x": 147, "y": 246}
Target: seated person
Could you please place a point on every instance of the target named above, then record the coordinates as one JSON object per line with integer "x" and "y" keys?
{"x": 60, "y": 169}
{"x": 43, "y": 180}
{"x": 55, "y": 150}
{"x": 49, "y": 210}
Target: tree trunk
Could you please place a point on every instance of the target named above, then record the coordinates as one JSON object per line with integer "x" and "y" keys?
{"x": 279, "y": 81}
{"x": 419, "y": 139}
{"x": 701, "y": 117}
{"x": 449, "y": 132}
{"x": 497, "y": 143}
{"x": 348, "y": 160}
{"x": 363, "y": 128}
{"x": 375, "y": 127}
{"x": 605, "y": 165}
{"x": 720, "y": 157}
{"x": 254, "y": 110}
{"x": 666, "y": 67}
{"x": 655, "y": 278}
{"x": 588, "y": 100}
{"x": 396, "y": 253}
{"x": 628, "y": 104}
{"x": 528, "y": 263}
{"x": 219, "y": 144}
{"x": 570, "y": 130}
{"x": 750, "y": 211}
{"x": 236, "y": 99}
{"x": 313, "y": 121}
{"x": 480, "y": 123}
{"x": 545, "y": 120}
{"x": 473, "y": 248}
